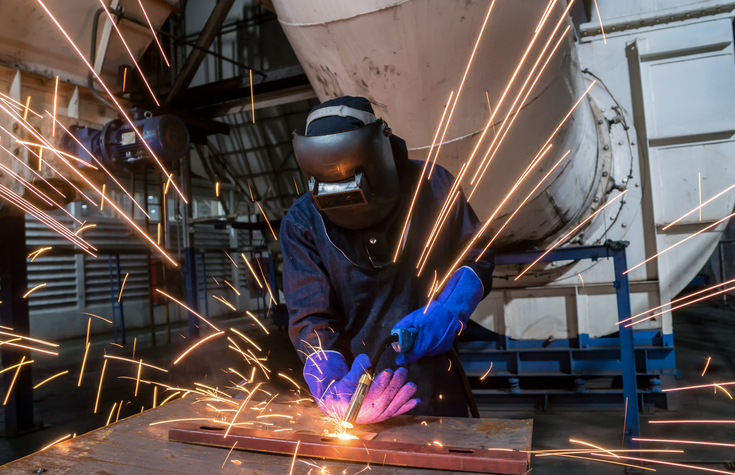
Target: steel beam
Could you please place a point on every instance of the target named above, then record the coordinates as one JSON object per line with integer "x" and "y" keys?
{"x": 195, "y": 58}
{"x": 374, "y": 452}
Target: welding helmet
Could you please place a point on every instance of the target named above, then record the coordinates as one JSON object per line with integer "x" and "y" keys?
{"x": 347, "y": 160}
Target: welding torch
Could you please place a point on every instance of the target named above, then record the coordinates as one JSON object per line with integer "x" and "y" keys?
{"x": 401, "y": 340}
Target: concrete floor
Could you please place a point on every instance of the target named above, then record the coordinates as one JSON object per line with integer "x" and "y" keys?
{"x": 62, "y": 407}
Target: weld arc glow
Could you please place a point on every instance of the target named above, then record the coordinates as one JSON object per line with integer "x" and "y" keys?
{"x": 112, "y": 96}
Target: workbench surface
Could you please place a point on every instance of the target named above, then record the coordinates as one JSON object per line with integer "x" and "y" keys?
{"x": 133, "y": 446}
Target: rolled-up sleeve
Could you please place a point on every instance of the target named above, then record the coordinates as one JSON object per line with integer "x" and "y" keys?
{"x": 313, "y": 316}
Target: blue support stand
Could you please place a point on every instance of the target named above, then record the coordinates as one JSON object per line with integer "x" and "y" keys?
{"x": 648, "y": 354}
{"x": 117, "y": 307}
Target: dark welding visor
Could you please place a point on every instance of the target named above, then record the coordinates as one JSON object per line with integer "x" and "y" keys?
{"x": 352, "y": 175}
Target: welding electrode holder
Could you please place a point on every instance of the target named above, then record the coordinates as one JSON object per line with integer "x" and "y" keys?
{"x": 402, "y": 340}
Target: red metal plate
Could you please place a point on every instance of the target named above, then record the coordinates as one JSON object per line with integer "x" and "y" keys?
{"x": 499, "y": 461}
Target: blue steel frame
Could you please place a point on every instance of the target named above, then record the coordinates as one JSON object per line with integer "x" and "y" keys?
{"x": 117, "y": 307}
{"x": 651, "y": 351}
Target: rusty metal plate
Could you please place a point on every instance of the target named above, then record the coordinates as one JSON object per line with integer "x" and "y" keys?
{"x": 376, "y": 452}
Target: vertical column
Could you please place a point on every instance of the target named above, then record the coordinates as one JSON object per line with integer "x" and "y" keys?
{"x": 14, "y": 314}
{"x": 627, "y": 349}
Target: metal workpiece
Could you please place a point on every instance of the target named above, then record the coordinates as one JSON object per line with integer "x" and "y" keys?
{"x": 133, "y": 446}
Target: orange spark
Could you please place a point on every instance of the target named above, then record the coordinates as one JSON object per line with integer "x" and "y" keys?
{"x": 680, "y": 242}
{"x": 125, "y": 78}
{"x": 729, "y": 383}
{"x": 49, "y": 379}
{"x": 251, "y": 269}
{"x": 266, "y": 220}
{"x": 83, "y": 228}
{"x": 216, "y": 189}
{"x": 699, "y": 207}
{"x": 692, "y": 422}
{"x": 293, "y": 462}
{"x": 680, "y": 306}
{"x": 723, "y": 389}
{"x": 246, "y": 339}
{"x": 187, "y": 308}
{"x": 16, "y": 366}
{"x": 119, "y": 407}
{"x": 291, "y": 380}
{"x": 109, "y": 418}
{"x": 102, "y": 200}
{"x": 28, "y": 347}
{"x": 593, "y": 446}
{"x": 130, "y": 53}
{"x": 169, "y": 398}
{"x": 122, "y": 286}
{"x": 30, "y": 339}
{"x": 524, "y": 202}
{"x": 244, "y": 403}
{"x": 252, "y": 97}
{"x": 56, "y": 151}
{"x": 213, "y": 335}
{"x": 600, "y": 18}
{"x": 155, "y": 37}
{"x": 706, "y": 365}
{"x": 137, "y": 380}
{"x": 295, "y": 184}
{"x": 37, "y": 253}
{"x": 513, "y": 115}
{"x": 490, "y": 122}
{"x": 230, "y": 258}
{"x": 15, "y": 376}
{"x": 257, "y": 321}
{"x": 25, "y": 112}
{"x": 55, "y": 442}
{"x": 110, "y": 94}
{"x": 560, "y": 241}
{"x": 225, "y": 302}
{"x": 136, "y": 362}
{"x": 233, "y": 288}
{"x": 99, "y": 389}
{"x": 433, "y": 142}
{"x": 33, "y": 289}
{"x": 84, "y": 362}
{"x": 487, "y": 372}
{"x": 56, "y": 93}
{"x": 233, "y": 445}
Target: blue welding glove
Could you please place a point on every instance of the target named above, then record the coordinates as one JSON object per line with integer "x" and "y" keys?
{"x": 440, "y": 322}
{"x": 332, "y": 386}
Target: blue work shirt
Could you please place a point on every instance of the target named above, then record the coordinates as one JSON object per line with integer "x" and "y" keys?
{"x": 344, "y": 293}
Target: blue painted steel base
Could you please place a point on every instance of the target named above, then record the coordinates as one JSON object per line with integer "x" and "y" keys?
{"x": 117, "y": 307}
{"x": 626, "y": 368}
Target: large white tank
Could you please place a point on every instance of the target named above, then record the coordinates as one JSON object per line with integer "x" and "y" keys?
{"x": 663, "y": 118}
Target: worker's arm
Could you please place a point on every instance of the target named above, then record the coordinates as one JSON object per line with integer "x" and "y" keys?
{"x": 310, "y": 298}
{"x": 447, "y": 315}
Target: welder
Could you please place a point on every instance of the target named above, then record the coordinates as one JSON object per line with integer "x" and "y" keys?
{"x": 343, "y": 290}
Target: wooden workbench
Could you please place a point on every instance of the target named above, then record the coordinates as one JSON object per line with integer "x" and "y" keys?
{"x": 133, "y": 446}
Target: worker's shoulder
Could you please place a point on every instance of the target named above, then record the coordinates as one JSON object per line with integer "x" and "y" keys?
{"x": 302, "y": 212}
